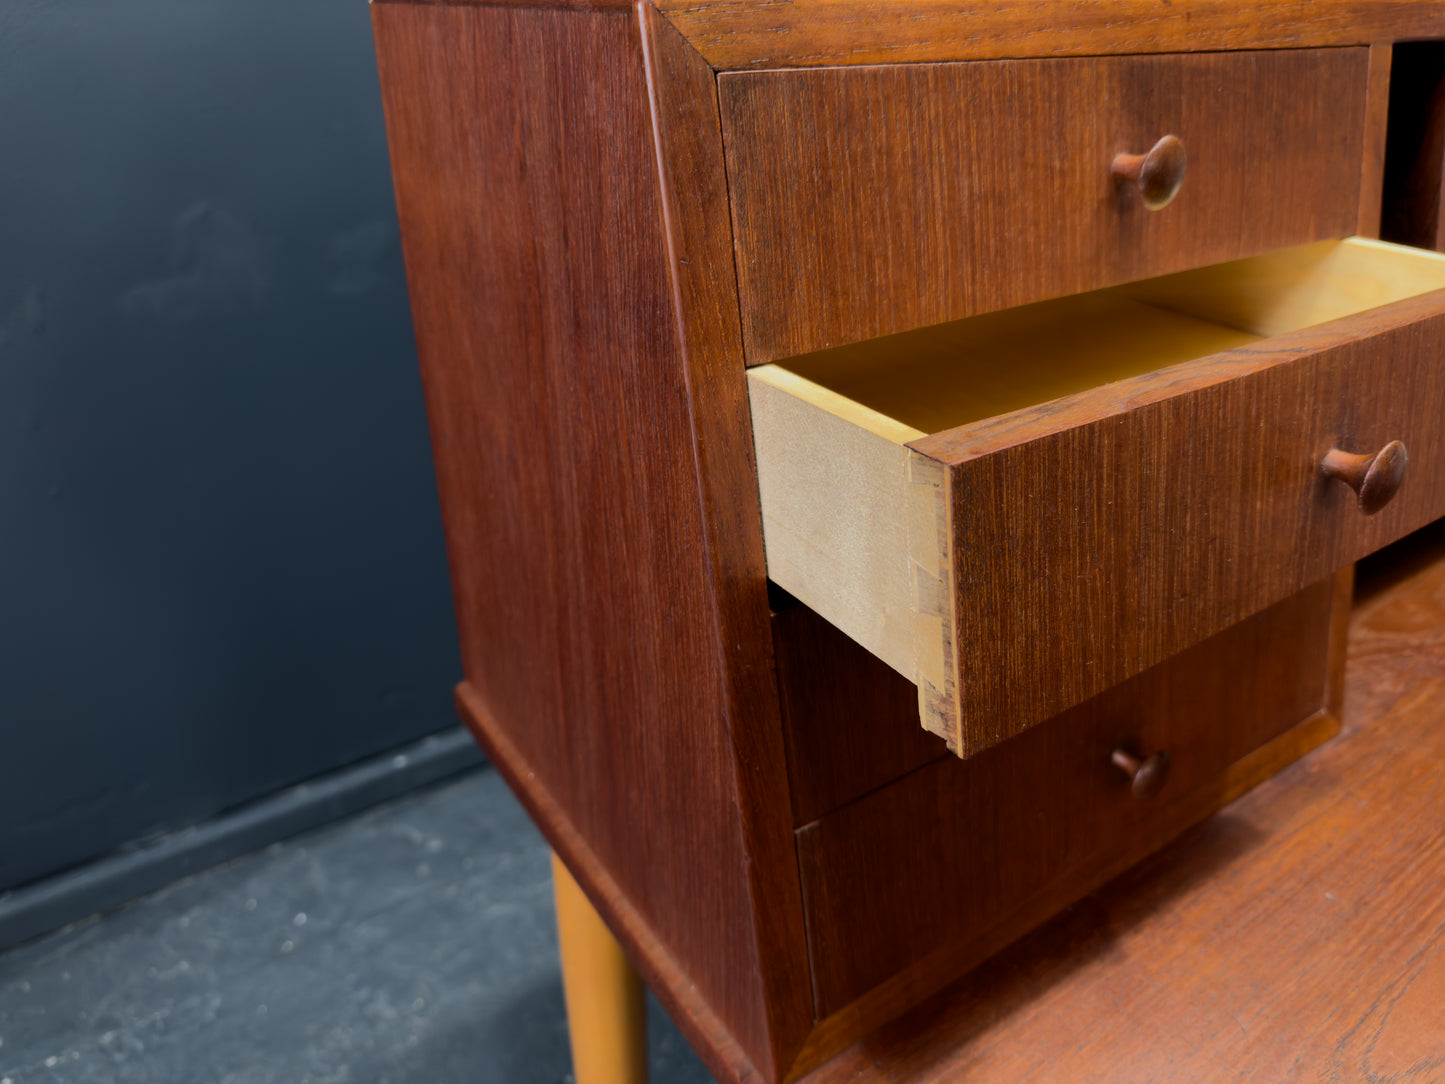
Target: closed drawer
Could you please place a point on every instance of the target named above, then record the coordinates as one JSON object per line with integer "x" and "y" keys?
{"x": 1020, "y": 510}
{"x": 914, "y": 883}
{"x": 873, "y": 200}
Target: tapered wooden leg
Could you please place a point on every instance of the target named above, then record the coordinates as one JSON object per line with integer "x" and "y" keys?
{"x": 605, "y": 1009}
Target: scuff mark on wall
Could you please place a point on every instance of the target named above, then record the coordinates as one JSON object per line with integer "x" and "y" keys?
{"x": 26, "y": 317}
{"x": 220, "y": 267}
{"x": 361, "y": 257}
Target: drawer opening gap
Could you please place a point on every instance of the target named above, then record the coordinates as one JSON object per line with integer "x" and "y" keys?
{"x": 957, "y": 373}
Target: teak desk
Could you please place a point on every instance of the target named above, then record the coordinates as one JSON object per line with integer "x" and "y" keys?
{"x": 803, "y": 372}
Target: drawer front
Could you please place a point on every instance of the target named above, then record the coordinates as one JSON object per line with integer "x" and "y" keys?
{"x": 932, "y": 870}
{"x": 872, "y": 200}
{"x": 1083, "y": 541}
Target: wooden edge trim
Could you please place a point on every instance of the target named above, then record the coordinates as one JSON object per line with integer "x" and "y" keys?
{"x": 754, "y": 35}
{"x": 951, "y": 963}
{"x": 1377, "y": 109}
{"x": 1335, "y": 658}
{"x": 694, "y": 1017}
{"x": 687, "y": 138}
{"x": 816, "y": 395}
{"x": 990, "y": 436}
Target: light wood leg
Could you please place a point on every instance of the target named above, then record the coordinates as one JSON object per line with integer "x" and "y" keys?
{"x": 605, "y": 1010}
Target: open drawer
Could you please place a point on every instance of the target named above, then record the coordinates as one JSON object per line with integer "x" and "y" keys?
{"x": 1019, "y": 510}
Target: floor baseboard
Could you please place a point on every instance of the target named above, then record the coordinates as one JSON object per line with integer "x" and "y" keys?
{"x": 118, "y": 878}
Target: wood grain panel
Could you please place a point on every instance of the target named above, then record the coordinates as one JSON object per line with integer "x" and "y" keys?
{"x": 869, "y": 201}
{"x": 850, "y": 721}
{"x": 586, "y": 394}
{"x": 1298, "y": 936}
{"x": 755, "y": 34}
{"x": 1095, "y": 536}
{"x": 954, "y": 848}
{"x": 699, "y": 247}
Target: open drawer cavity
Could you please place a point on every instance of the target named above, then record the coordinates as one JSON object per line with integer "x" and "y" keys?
{"x": 1019, "y": 510}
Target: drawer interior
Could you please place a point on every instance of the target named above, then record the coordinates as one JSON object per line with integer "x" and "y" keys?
{"x": 950, "y": 375}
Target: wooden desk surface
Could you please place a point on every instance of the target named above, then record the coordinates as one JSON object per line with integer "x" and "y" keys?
{"x": 1298, "y": 935}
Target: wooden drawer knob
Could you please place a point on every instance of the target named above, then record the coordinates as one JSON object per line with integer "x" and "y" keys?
{"x": 1149, "y": 776}
{"x": 1158, "y": 173}
{"x": 1376, "y": 478}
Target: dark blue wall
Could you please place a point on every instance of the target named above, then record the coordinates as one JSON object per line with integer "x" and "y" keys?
{"x": 221, "y": 567}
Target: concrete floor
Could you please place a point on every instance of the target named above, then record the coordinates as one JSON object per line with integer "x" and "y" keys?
{"x": 413, "y": 943}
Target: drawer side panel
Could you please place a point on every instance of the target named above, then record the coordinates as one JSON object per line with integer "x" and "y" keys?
{"x": 833, "y": 486}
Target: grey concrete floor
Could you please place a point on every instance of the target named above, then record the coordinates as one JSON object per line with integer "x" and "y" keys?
{"x": 413, "y": 943}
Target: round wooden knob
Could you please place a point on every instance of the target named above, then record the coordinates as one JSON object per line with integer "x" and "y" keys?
{"x": 1158, "y": 173}
{"x": 1376, "y": 478}
{"x": 1149, "y": 776}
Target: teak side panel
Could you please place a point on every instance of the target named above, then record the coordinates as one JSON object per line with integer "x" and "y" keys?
{"x": 590, "y": 431}
{"x": 951, "y": 851}
{"x": 755, "y": 34}
{"x": 869, "y": 201}
{"x": 1096, "y": 536}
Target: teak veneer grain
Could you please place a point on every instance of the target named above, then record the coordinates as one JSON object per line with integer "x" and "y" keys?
{"x": 585, "y": 385}
{"x": 869, "y": 201}
{"x": 948, "y": 857}
{"x": 1298, "y": 935}
{"x": 758, "y": 34}
{"x": 693, "y": 185}
{"x": 1208, "y": 529}
{"x": 573, "y": 250}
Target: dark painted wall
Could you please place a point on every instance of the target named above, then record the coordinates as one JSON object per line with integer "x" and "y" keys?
{"x": 221, "y": 567}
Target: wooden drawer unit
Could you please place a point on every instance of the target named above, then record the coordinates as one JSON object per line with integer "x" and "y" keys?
{"x": 1015, "y": 558}
{"x": 884, "y": 303}
{"x": 873, "y": 200}
{"x": 926, "y": 877}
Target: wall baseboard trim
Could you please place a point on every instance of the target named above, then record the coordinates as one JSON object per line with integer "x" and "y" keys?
{"x": 118, "y": 878}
